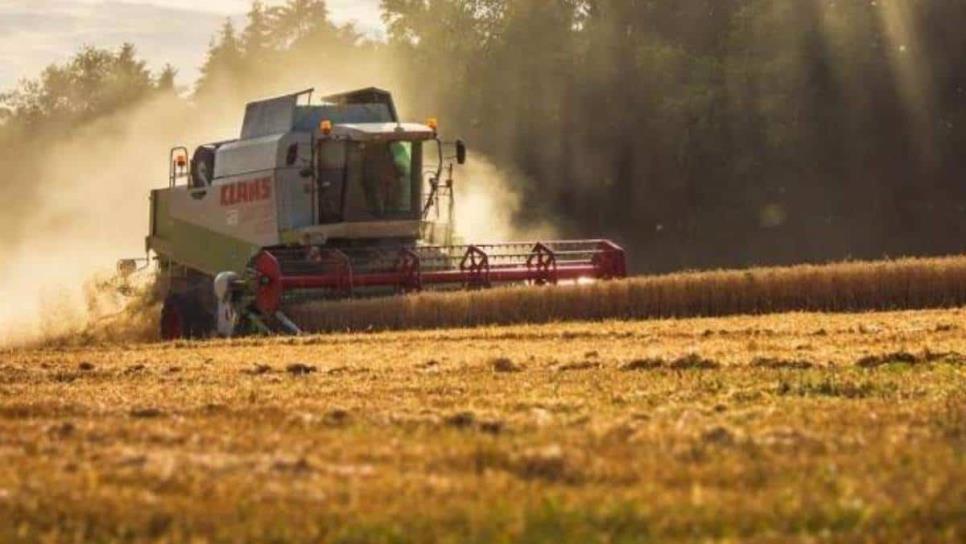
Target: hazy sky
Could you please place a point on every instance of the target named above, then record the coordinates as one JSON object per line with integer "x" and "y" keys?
{"x": 35, "y": 33}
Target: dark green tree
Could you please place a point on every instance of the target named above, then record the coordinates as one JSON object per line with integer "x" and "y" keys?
{"x": 296, "y": 19}
{"x": 256, "y": 39}
{"x": 166, "y": 79}
{"x": 225, "y": 61}
{"x": 93, "y": 83}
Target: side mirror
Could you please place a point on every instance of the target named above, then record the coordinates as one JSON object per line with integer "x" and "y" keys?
{"x": 460, "y": 152}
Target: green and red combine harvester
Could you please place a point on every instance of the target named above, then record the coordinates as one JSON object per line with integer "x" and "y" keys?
{"x": 326, "y": 201}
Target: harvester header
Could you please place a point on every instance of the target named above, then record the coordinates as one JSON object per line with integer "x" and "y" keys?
{"x": 327, "y": 200}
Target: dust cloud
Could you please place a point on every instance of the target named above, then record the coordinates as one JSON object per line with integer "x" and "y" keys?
{"x": 92, "y": 195}
{"x": 488, "y": 200}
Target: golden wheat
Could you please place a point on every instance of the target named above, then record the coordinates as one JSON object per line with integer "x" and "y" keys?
{"x": 839, "y": 287}
{"x": 790, "y": 427}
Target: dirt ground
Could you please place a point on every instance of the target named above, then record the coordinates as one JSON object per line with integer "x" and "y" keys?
{"x": 812, "y": 427}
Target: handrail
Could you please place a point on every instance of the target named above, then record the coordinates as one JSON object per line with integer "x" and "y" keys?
{"x": 179, "y": 165}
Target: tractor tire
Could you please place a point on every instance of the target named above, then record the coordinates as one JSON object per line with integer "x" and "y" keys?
{"x": 183, "y": 317}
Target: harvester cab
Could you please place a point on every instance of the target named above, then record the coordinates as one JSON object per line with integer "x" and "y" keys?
{"x": 331, "y": 200}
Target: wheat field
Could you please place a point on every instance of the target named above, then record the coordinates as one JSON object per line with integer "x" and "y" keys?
{"x": 803, "y": 427}
{"x": 838, "y": 287}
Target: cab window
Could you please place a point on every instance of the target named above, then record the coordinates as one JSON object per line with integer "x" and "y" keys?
{"x": 383, "y": 180}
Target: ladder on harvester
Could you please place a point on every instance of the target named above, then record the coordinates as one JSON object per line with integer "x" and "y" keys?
{"x": 440, "y": 190}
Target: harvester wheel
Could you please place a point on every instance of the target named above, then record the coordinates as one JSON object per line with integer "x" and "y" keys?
{"x": 172, "y": 319}
{"x": 184, "y": 317}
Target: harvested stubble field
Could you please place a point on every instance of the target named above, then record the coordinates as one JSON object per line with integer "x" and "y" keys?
{"x": 902, "y": 284}
{"x": 811, "y": 427}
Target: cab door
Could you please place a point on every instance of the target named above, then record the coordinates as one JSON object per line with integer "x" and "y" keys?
{"x": 332, "y": 181}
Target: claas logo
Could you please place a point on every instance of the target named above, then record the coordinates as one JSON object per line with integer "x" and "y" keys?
{"x": 246, "y": 191}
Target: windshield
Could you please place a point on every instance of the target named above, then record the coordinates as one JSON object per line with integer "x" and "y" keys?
{"x": 384, "y": 180}
{"x": 368, "y": 181}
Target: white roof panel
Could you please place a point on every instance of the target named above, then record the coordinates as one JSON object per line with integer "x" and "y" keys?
{"x": 383, "y": 131}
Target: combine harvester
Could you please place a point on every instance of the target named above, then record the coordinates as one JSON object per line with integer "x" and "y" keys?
{"x": 326, "y": 201}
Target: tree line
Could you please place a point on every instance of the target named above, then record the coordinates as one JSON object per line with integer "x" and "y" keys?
{"x": 697, "y": 133}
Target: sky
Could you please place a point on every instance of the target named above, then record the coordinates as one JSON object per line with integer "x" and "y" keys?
{"x": 35, "y": 33}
